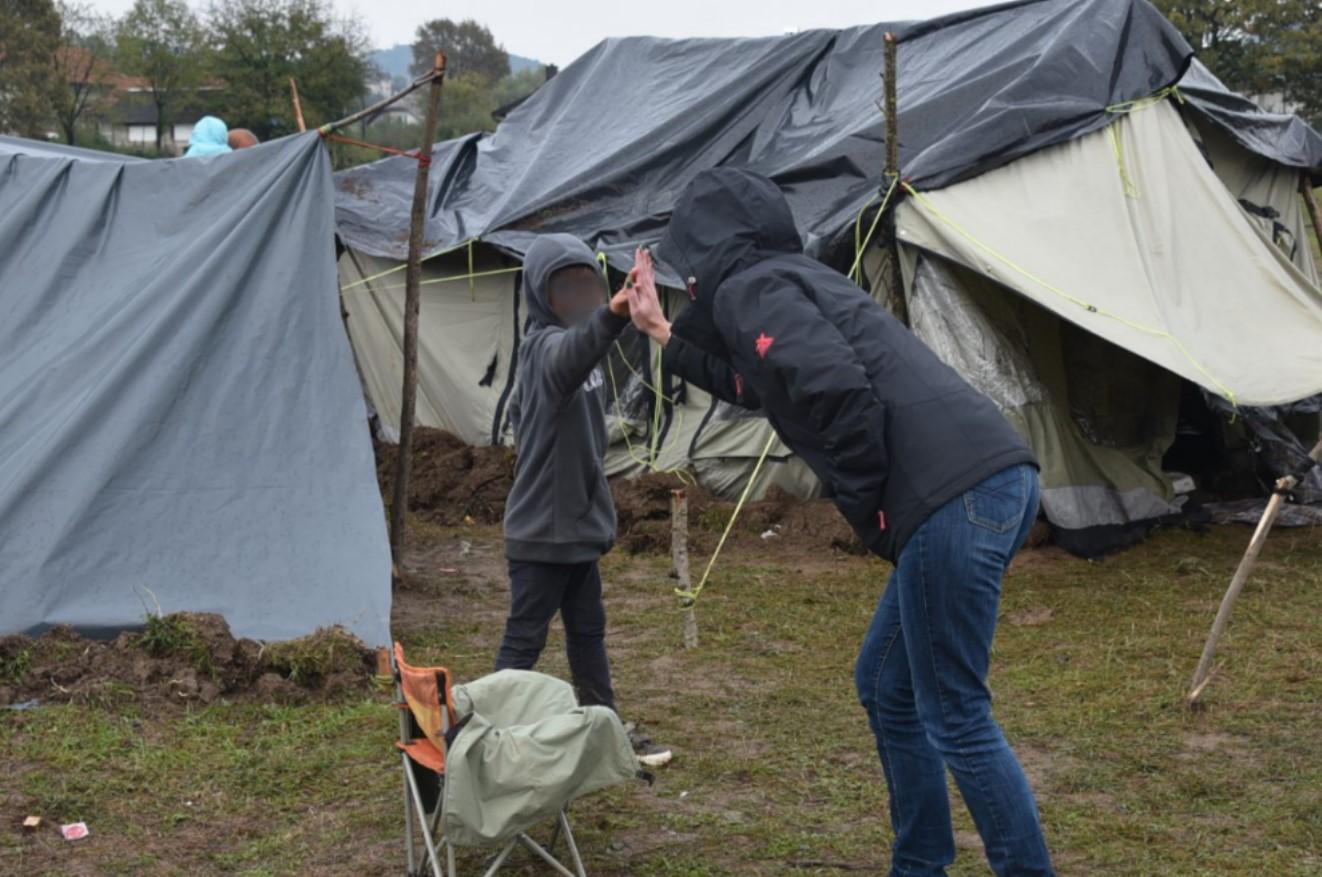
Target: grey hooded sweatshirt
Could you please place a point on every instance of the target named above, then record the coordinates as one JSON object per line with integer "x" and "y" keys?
{"x": 560, "y": 508}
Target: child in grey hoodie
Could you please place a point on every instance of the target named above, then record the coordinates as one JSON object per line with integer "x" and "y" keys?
{"x": 560, "y": 517}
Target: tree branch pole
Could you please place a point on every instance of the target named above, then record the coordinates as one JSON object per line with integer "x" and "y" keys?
{"x": 412, "y": 305}
{"x": 1203, "y": 675}
{"x": 679, "y": 554}
{"x": 380, "y": 105}
{"x": 298, "y": 107}
{"x": 892, "y": 169}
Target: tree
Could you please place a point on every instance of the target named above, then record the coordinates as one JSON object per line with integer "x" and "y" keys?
{"x": 29, "y": 34}
{"x": 83, "y": 65}
{"x": 1257, "y": 46}
{"x": 161, "y": 41}
{"x": 260, "y": 44}
{"x": 469, "y": 49}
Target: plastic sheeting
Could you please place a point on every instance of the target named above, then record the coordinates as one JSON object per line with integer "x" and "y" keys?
{"x": 604, "y": 148}
{"x": 183, "y": 427}
{"x": 1284, "y": 139}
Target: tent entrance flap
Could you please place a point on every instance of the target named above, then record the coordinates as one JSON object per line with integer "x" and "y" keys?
{"x": 1164, "y": 271}
{"x": 1098, "y": 418}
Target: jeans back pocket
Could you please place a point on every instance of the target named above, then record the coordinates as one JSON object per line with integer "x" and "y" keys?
{"x": 997, "y": 503}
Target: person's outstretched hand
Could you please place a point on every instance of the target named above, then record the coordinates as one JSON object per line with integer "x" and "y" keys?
{"x": 644, "y": 304}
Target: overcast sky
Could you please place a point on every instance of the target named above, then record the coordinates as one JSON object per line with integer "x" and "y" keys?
{"x": 557, "y": 31}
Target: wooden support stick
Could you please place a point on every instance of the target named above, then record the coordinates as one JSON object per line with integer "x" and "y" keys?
{"x": 380, "y": 105}
{"x": 892, "y": 169}
{"x": 1306, "y": 189}
{"x": 679, "y": 553}
{"x": 1202, "y": 676}
{"x": 298, "y": 107}
{"x": 412, "y": 304}
{"x": 892, "y": 110}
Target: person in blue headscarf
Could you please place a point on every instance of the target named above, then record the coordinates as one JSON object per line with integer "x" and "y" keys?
{"x": 209, "y": 137}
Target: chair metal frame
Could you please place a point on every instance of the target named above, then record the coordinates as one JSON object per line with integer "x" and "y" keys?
{"x": 421, "y": 751}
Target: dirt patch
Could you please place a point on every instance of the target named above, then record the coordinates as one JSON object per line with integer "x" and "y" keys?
{"x": 178, "y": 659}
{"x": 1199, "y": 743}
{"x": 450, "y": 482}
{"x": 777, "y": 522}
{"x": 1031, "y": 617}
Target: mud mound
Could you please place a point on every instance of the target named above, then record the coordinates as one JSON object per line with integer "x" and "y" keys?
{"x": 642, "y": 508}
{"x": 777, "y": 521}
{"x": 181, "y": 658}
{"x": 450, "y": 481}
{"x": 453, "y": 483}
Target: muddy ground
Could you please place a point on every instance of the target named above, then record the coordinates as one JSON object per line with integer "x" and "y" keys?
{"x": 177, "y": 660}
{"x": 452, "y": 483}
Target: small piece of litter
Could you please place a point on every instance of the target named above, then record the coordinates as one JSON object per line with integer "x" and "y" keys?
{"x": 74, "y": 831}
{"x": 768, "y": 535}
{"x": 32, "y": 823}
{"x": 25, "y": 705}
{"x": 683, "y": 794}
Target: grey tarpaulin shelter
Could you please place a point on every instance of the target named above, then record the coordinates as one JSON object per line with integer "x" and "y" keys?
{"x": 1089, "y": 242}
{"x": 182, "y": 425}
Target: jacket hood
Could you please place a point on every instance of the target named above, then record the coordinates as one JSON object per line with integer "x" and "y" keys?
{"x": 726, "y": 220}
{"x": 209, "y": 137}
{"x": 548, "y": 254}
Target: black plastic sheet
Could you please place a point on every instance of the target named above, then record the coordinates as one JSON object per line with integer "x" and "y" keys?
{"x": 604, "y": 148}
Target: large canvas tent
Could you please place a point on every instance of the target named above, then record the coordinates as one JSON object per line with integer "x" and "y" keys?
{"x": 183, "y": 428}
{"x": 1090, "y": 225}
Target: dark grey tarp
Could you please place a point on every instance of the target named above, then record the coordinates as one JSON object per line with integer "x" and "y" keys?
{"x": 603, "y": 149}
{"x": 183, "y": 427}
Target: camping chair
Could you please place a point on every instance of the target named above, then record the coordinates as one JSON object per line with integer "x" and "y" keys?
{"x": 427, "y": 727}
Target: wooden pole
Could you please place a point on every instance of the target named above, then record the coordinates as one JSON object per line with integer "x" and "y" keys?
{"x": 892, "y": 170}
{"x": 1203, "y": 675}
{"x": 298, "y": 107}
{"x": 380, "y": 105}
{"x": 412, "y": 305}
{"x": 1306, "y": 189}
{"x": 679, "y": 553}
{"x": 892, "y": 111}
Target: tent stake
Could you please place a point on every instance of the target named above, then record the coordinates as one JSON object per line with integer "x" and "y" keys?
{"x": 1202, "y": 676}
{"x": 679, "y": 553}
{"x": 892, "y": 170}
{"x": 412, "y": 304}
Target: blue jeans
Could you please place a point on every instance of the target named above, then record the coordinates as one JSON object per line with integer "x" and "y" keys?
{"x": 922, "y": 677}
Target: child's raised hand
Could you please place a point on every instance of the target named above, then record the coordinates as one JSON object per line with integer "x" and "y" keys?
{"x": 620, "y": 301}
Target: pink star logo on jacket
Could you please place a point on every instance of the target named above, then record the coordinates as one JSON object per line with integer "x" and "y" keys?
{"x": 763, "y": 344}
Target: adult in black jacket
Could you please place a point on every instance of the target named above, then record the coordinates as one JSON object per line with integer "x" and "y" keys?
{"x": 926, "y": 470}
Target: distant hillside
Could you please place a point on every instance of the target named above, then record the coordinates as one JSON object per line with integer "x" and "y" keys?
{"x": 395, "y": 61}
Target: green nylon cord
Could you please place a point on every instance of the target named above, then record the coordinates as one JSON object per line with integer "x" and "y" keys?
{"x": 856, "y": 270}
{"x": 1131, "y": 190}
{"x": 687, "y": 598}
{"x": 469, "y": 277}
{"x": 402, "y": 265}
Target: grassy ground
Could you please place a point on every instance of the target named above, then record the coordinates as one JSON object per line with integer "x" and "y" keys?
{"x": 775, "y": 772}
